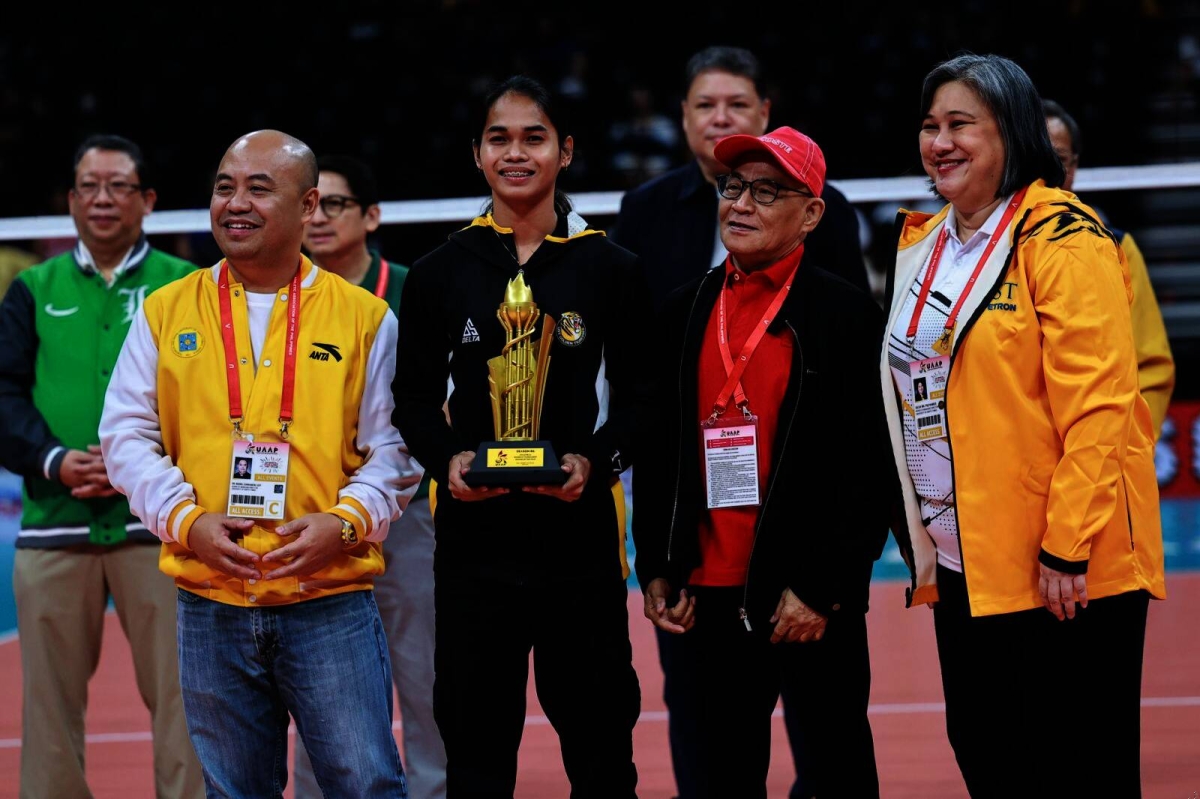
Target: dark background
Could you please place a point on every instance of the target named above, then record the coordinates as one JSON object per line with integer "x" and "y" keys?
{"x": 398, "y": 84}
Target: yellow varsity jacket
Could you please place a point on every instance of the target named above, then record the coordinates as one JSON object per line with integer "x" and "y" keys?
{"x": 167, "y": 434}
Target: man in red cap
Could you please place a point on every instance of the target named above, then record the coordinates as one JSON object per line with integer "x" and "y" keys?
{"x": 671, "y": 223}
{"x": 769, "y": 500}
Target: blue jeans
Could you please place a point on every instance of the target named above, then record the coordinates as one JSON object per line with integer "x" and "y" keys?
{"x": 324, "y": 661}
{"x": 404, "y": 593}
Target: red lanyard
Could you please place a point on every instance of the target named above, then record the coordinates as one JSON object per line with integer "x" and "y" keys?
{"x": 733, "y": 385}
{"x": 381, "y": 283}
{"x": 232, "y": 376}
{"x": 936, "y": 258}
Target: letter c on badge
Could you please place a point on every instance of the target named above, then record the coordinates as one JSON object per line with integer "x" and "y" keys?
{"x": 273, "y": 508}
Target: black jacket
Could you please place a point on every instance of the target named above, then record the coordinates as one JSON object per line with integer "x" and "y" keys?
{"x": 671, "y": 223}
{"x": 449, "y": 329}
{"x": 832, "y": 486}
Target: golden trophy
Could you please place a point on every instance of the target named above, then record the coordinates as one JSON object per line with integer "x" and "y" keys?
{"x": 517, "y": 384}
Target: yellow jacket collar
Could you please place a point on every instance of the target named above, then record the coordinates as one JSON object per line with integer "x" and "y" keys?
{"x": 1039, "y": 204}
{"x": 576, "y": 227}
{"x": 308, "y": 272}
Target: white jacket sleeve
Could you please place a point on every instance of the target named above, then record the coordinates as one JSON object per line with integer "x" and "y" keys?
{"x": 131, "y": 438}
{"x": 389, "y": 477}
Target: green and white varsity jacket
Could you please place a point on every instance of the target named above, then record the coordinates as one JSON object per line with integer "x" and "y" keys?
{"x": 61, "y": 329}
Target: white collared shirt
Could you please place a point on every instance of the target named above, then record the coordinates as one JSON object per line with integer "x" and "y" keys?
{"x": 83, "y": 257}
{"x": 929, "y": 462}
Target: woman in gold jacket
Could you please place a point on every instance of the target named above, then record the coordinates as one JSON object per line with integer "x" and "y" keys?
{"x": 1028, "y": 470}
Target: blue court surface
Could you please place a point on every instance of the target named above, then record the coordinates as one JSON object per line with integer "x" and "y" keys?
{"x": 1180, "y": 517}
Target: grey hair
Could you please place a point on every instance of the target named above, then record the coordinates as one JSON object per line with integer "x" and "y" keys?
{"x": 720, "y": 58}
{"x": 1010, "y": 95}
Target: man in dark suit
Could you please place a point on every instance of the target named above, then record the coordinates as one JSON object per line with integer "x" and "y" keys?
{"x": 671, "y": 221}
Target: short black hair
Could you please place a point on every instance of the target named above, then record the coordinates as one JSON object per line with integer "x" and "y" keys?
{"x": 1053, "y": 110}
{"x": 357, "y": 174}
{"x": 1013, "y": 100}
{"x": 117, "y": 144}
{"x": 720, "y": 58}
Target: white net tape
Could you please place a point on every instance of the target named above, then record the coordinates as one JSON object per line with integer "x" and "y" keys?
{"x": 463, "y": 209}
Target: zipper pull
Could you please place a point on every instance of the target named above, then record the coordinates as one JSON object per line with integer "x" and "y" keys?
{"x": 745, "y": 619}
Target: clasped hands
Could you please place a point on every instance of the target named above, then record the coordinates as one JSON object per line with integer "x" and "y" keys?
{"x": 318, "y": 541}
{"x": 794, "y": 621}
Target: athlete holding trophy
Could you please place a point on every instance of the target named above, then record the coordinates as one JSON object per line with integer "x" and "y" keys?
{"x": 528, "y": 553}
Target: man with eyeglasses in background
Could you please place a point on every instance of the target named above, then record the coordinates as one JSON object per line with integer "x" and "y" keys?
{"x": 336, "y": 239}
{"x": 62, "y": 324}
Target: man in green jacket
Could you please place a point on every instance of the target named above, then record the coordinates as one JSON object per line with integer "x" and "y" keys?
{"x": 62, "y": 324}
{"x": 336, "y": 239}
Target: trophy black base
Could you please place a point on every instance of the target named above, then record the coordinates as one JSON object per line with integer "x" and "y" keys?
{"x": 515, "y": 463}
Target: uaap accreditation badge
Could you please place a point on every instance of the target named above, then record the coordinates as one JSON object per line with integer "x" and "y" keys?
{"x": 929, "y": 378}
{"x": 258, "y": 479}
{"x": 731, "y": 461}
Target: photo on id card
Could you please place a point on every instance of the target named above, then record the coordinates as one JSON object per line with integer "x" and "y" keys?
{"x": 258, "y": 480}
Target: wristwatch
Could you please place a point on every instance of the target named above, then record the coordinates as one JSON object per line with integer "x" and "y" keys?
{"x": 349, "y": 536}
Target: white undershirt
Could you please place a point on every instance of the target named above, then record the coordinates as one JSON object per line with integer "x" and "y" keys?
{"x": 929, "y": 462}
{"x": 258, "y": 308}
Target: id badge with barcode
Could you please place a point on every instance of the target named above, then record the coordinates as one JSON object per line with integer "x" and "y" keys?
{"x": 929, "y": 379}
{"x": 258, "y": 479}
{"x": 731, "y": 462}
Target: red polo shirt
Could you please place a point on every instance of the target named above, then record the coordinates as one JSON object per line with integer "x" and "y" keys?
{"x": 727, "y": 534}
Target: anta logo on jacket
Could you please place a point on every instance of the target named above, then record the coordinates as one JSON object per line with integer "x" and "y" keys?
{"x": 322, "y": 352}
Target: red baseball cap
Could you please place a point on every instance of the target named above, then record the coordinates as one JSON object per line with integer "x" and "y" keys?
{"x": 795, "y": 153}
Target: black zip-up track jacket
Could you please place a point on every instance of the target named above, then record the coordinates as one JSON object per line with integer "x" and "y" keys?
{"x": 450, "y": 330}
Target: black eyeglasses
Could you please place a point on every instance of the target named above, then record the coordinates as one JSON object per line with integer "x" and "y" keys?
{"x": 117, "y": 189}
{"x": 334, "y": 204}
{"x": 763, "y": 191}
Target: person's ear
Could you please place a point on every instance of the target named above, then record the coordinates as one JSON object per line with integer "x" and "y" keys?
{"x": 308, "y": 204}
{"x": 371, "y": 218}
{"x": 766, "y": 115}
{"x": 813, "y": 211}
{"x": 566, "y": 152}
